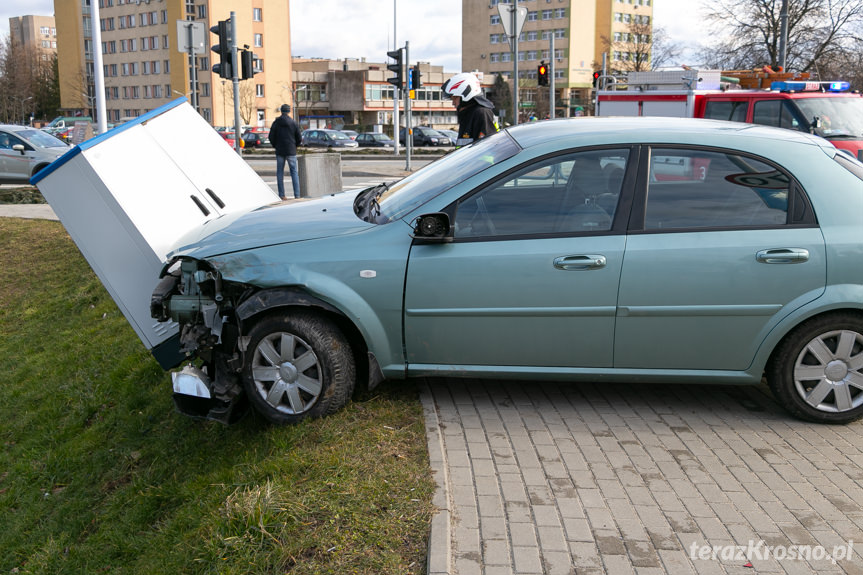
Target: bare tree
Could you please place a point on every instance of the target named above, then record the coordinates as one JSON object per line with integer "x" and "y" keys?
{"x": 29, "y": 83}
{"x": 500, "y": 95}
{"x": 818, "y": 32}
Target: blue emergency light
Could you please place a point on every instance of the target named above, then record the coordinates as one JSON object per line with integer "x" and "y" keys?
{"x": 810, "y": 86}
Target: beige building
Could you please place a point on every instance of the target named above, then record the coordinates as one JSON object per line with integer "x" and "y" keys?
{"x": 34, "y": 32}
{"x": 582, "y": 30}
{"x": 351, "y": 92}
{"x": 144, "y": 67}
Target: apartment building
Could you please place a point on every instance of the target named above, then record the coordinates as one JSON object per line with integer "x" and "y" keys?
{"x": 37, "y": 33}
{"x": 144, "y": 68}
{"x": 582, "y": 30}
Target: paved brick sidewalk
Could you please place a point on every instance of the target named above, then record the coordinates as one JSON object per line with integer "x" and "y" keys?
{"x": 583, "y": 478}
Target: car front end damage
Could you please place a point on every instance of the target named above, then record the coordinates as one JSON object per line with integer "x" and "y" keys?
{"x": 192, "y": 294}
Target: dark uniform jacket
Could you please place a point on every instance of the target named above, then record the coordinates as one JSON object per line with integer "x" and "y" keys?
{"x": 475, "y": 120}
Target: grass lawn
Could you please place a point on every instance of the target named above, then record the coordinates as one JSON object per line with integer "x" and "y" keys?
{"x": 98, "y": 474}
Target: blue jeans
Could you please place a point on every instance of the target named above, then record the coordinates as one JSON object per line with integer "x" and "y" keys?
{"x": 280, "y": 175}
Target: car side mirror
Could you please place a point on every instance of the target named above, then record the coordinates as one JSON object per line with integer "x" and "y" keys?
{"x": 432, "y": 228}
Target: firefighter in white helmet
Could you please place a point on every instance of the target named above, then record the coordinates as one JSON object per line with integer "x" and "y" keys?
{"x": 475, "y": 111}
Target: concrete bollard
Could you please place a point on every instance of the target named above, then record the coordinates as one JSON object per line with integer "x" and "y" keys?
{"x": 320, "y": 174}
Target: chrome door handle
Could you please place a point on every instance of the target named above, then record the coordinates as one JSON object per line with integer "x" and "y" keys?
{"x": 584, "y": 262}
{"x": 783, "y": 256}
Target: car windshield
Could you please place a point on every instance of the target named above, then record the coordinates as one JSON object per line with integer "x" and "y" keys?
{"x": 839, "y": 117}
{"x": 439, "y": 176}
{"x": 338, "y": 136}
{"x": 41, "y": 139}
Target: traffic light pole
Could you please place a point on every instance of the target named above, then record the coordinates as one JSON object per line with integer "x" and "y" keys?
{"x": 236, "y": 81}
{"x": 514, "y": 46}
{"x": 409, "y": 136}
{"x": 551, "y": 76}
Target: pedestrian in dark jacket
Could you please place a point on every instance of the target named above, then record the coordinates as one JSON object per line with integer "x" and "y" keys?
{"x": 285, "y": 138}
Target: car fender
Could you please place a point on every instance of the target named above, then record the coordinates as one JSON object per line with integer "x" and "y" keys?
{"x": 834, "y": 297}
{"x": 318, "y": 290}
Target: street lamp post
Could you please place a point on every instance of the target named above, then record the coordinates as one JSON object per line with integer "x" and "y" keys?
{"x": 23, "y": 116}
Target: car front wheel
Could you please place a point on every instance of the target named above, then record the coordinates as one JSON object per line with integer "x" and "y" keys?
{"x": 298, "y": 365}
{"x": 817, "y": 371}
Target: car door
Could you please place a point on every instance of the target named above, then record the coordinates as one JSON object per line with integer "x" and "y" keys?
{"x": 722, "y": 246}
{"x": 531, "y": 276}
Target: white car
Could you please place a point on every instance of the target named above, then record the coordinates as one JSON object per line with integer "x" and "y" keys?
{"x": 25, "y": 150}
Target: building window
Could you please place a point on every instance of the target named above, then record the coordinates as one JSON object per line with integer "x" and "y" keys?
{"x": 202, "y": 12}
{"x": 547, "y": 14}
{"x": 560, "y": 12}
{"x": 494, "y": 20}
{"x": 205, "y": 89}
{"x": 257, "y": 15}
{"x": 532, "y": 16}
{"x": 259, "y": 90}
{"x": 259, "y": 40}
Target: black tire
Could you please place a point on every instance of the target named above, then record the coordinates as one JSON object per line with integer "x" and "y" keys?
{"x": 816, "y": 373}
{"x": 297, "y": 365}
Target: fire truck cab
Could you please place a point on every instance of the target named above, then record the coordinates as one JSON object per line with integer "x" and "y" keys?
{"x": 827, "y": 109}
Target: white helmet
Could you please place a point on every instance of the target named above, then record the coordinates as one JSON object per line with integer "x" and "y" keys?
{"x": 464, "y": 85}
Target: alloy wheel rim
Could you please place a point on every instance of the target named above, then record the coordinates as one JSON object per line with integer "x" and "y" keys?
{"x": 828, "y": 372}
{"x": 287, "y": 373}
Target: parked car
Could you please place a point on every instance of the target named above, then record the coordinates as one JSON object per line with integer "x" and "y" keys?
{"x": 24, "y": 151}
{"x": 252, "y": 139}
{"x": 374, "y": 140}
{"x": 262, "y": 137}
{"x": 230, "y": 136}
{"x": 350, "y": 134}
{"x": 327, "y": 139}
{"x": 451, "y": 134}
{"x": 424, "y": 136}
{"x": 610, "y": 249}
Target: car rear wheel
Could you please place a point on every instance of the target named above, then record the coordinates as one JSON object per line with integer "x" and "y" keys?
{"x": 817, "y": 371}
{"x": 298, "y": 365}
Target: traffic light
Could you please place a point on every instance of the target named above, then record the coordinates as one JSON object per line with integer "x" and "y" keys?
{"x": 596, "y": 76}
{"x": 415, "y": 78}
{"x": 542, "y": 75}
{"x": 223, "y": 49}
{"x": 247, "y": 61}
{"x": 397, "y": 67}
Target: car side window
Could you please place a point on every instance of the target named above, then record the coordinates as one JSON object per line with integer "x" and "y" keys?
{"x": 726, "y": 110}
{"x": 707, "y": 189}
{"x": 776, "y": 113}
{"x": 5, "y": 143}
{"x": 567, "y": 194}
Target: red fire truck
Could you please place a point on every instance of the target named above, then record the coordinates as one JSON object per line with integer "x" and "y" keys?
{"x": 827, "y": 109}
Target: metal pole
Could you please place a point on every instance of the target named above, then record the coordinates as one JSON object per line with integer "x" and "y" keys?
{"x": 409, "y": 137}
{"x": 395, "y": 93}
{"x": 514, "y": 45}
{"x": 98, "y": 71}
{"x": 783, "y": 33}
{"x": 194, "y": 68}
{"x": 551, "y": 75}
{"x": 236, "y": 80}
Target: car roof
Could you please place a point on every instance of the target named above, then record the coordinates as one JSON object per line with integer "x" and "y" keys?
{"x": 696, "y": 131}
{"x": 16, "y": 127}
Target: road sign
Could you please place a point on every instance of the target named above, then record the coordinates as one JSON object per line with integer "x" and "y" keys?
{"x": 505, "y": 11}
{"x": 198, "y": 37}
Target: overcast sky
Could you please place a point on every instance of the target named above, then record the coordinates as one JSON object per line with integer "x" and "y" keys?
{"x": 364, "y": 28}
